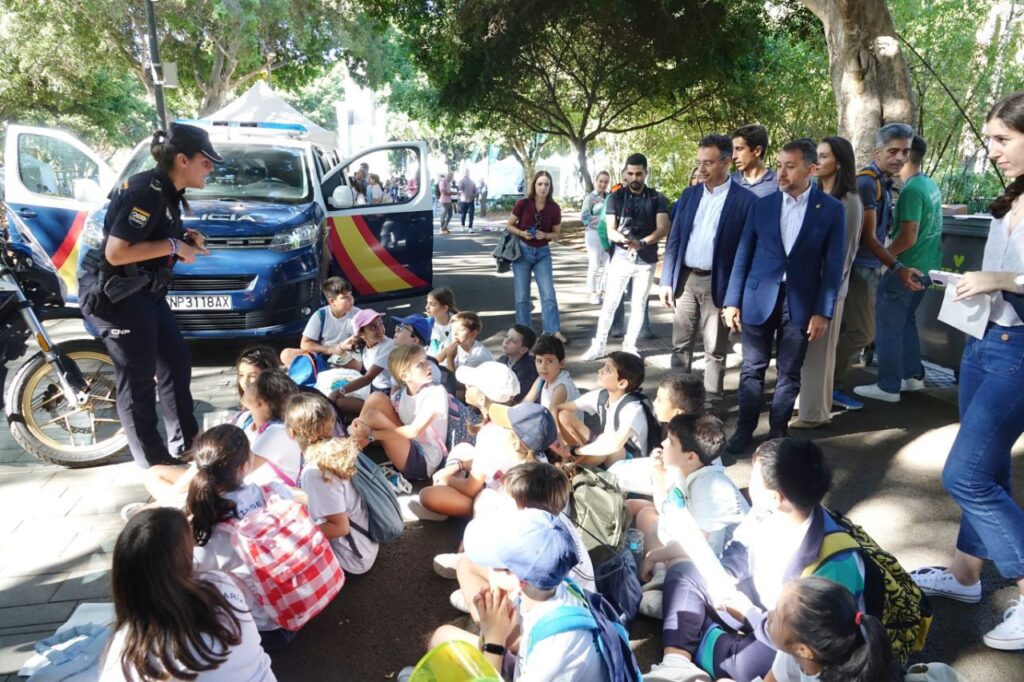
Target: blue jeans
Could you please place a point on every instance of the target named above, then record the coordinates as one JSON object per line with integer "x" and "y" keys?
{"x": 536, "y": 260}
{"x": 897, "y": 347}
{"x": 977, "y": 472}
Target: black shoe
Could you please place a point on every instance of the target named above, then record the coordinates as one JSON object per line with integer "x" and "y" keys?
{"x": 739, "y": 442}
{"x": 617, "y": 333}
{"x": 778, "y": 433}
{"x": 648, "y": 334}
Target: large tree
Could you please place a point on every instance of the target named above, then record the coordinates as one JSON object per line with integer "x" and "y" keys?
{"x": 575, "y": 70}
{"x": 869, "y": 73}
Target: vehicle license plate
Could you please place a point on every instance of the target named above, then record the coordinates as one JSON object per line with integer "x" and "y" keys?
{"x": 220, "y": 302}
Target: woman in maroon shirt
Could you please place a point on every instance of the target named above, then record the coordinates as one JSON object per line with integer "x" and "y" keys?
{"x": 537, "y": 221}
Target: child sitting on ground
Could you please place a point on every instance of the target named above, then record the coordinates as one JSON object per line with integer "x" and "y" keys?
{"x": 218, "y": 497}
{"x": 553, "y": 386}
{"x": 412, "y": 423}
{"x": 464, "y": 349}
{"x": 275, "y": 455}
{"x": 329, "y": 331}
{"x": 330, "y": 464}
{"x": 174, "y": 621}
{"x": 530, "y": 552}
{"x": 473, "y": 469}
{"x": 771, "y": 546}
{"x": 516, "y": 354}
{"x": 440, "y": 309}
{"x": 679, "y": 393}
{"x": 822, "y": 635}
{"x": 531, "y": 485}
{"x": 376, "y": 347}
{"x": 620, "y": 375}
{"x": 415, "y": 330}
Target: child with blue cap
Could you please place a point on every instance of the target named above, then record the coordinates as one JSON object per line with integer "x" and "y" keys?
{"x": 530, "y": 553}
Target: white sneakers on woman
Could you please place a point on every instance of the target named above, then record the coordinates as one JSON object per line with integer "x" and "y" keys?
{"x": 938, "y": 582}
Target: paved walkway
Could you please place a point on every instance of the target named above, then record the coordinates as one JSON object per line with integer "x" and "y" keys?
{"x": 58, "y": 526}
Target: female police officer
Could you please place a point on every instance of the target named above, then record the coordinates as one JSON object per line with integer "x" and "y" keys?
{"x": 122, "y": 287}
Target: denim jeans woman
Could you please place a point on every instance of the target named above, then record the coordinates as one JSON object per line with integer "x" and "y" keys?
{"x": 978, "y": 471}
{"x": 536, "y": 220}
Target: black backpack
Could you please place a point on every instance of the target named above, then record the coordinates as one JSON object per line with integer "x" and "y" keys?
{"x": 653, "y": 425}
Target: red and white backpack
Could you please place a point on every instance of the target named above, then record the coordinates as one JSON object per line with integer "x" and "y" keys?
{"x": 296, "y": 571}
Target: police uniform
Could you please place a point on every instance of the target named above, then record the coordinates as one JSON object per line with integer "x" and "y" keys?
{"x": 138, "y": 328}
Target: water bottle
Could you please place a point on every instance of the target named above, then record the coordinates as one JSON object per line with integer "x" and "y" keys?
{"x": 635, "y": 542}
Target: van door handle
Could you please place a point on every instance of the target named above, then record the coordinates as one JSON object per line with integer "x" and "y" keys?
{"x": 27, "y": 213}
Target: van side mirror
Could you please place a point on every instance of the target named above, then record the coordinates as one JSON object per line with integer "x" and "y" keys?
{"x": 342, "y": 197}
{"x": 87, "y": 190}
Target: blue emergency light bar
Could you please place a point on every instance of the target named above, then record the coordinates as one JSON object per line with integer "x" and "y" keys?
{"x": 269, "y": 126}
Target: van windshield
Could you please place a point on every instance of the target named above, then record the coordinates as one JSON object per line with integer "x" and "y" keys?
{"x": 248, "y": 172}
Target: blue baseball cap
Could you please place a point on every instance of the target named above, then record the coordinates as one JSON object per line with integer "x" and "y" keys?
{"x": 420, "y": 326}
{"x": 534, "y": 426}
{"x": 534, "y": 545}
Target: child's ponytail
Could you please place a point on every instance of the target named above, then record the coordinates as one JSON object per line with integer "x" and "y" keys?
{"x": 220, "y": 455}
{"x": 851, "y": 646}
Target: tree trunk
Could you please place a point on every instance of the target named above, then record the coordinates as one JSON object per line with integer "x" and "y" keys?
{"x": 581, "y": 156}
{"x": 869, "y": 73}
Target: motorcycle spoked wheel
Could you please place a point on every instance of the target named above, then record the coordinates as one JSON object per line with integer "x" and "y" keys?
{"x": 47, "y": 426}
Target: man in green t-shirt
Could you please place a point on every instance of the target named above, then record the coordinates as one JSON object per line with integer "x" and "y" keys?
{"x": 916, "y": 249}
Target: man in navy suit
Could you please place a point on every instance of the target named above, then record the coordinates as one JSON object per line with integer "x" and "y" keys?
{"x": 706, "y": 230}
{"x": 788, "y": 292}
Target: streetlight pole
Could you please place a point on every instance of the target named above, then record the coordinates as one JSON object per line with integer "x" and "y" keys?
{"x": 154, "y": 56}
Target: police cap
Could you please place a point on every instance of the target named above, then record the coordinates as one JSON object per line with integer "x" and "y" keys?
{"x": 189, "y": 139}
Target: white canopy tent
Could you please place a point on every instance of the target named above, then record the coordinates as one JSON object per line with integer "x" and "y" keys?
{"x": 260, "y": 103}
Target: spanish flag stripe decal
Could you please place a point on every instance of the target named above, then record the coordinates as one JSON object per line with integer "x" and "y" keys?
{"x": 65, "y": 259}
{"x": 364, "y": 258}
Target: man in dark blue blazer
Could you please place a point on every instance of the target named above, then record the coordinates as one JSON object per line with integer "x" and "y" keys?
{"x": 706, "y": 230}
{"x": 788, "y": 292}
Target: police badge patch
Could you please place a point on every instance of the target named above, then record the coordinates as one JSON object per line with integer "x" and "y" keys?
{"x": 138, "y": 217}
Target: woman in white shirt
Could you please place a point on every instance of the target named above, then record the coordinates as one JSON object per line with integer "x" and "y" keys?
{"x": 173, "y": 622}
{"x": 977, "y": 472}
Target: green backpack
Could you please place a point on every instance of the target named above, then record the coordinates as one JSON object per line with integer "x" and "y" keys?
{"x": 890, "y": 594}
{"x": 600, "y": 512}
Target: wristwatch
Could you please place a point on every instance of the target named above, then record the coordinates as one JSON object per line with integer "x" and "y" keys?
{"x": 496, "y": 649}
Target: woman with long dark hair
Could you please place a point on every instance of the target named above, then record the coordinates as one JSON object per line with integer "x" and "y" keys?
{"x": 837, "y": 175}
{"x": 821, "y": 635}
{"x": 172, "y": 621}
{"x": 977, "y": 474}
{"x": 122, "y": 290}
{"x": 537, "y": 221}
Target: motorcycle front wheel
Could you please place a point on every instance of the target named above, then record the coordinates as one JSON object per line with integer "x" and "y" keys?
{"x": 46, "y": 425}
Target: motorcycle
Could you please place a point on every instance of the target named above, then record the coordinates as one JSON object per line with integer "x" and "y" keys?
{"x": 61, "y": 402}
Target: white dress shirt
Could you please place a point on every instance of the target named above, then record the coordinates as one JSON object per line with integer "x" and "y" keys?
{"x": 700, "y": 250}
{"x": 792, "y": 218}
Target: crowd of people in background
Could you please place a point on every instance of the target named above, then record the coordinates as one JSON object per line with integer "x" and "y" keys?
{"x": 589, "y": 508}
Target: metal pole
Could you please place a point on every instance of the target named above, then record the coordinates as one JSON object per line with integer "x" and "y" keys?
{"x": 154, "y": 56}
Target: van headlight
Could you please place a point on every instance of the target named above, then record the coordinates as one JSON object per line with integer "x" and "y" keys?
{"x": 295, "y": 237}
{"x": 92, "y": 233}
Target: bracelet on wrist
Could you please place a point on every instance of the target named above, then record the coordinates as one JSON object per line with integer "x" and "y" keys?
{"x": 496, "y": 649}
{"x": 896, "y": 267}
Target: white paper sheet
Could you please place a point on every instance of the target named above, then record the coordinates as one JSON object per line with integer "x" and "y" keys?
{"x": 969, "y": 315}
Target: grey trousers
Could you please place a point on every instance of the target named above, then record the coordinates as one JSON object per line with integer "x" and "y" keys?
{"x": 815, "y": 403}
{"x": 696, "y": 313}
{"x": 858, "y": 321}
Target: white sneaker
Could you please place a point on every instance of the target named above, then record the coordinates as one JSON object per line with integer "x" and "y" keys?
{"x": 593, "y": 353}
{"x": 444, "y": 565}
{"x": 631, "y": 350}
{"x": 595, "y": 298}
{"x": 413, "y": 510}
{"x": 875, "y": 393}
{"x": 936, "y": 581}
{"x": 1008, "y": 635}
{"x": 131, "y": 509}
{"x": 650, "y": 604}
{"x": 912, "y": 385}
{"x": 458, "y": 601}
{"x": 676, "y": 671}
{"x": 657, "y": 577}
